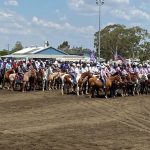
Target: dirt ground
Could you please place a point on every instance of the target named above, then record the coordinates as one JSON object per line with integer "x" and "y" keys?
{"x": 49, "y": 121}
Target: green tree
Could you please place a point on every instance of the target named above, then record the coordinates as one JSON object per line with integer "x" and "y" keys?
{"x": 18, "y": 46}
{"x": 4, "y": 52}
{"x": 144, "y": 52}
{"x": 64, "y": 46}
{"x": 120, "y": 39}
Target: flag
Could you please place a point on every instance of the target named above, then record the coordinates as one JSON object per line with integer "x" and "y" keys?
{"x": 92, "y": 56}
{"x": 119, "y": 57}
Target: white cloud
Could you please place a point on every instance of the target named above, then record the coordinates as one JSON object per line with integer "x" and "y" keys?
{"x": 57, "y": 11}
{"x": 120, "y": 1}
{"x": 131, "y": 14}
{"x": 5, "y": 15}
{"x": 11, "y": 2}
{"x": 76, "y": 3}
{"x": 12, "y": 23}
{"x": 63, "y": 18}
{"x": 139, "y": 14}
{"x": 110, "y": 23}
{"x": 63, "y": 27}
{"x": 48, "y": 24}
{"x": 120, "y": 14}
{"x": 83, "y": 7}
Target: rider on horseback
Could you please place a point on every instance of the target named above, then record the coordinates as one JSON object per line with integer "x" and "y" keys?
{"x": 103, "y": 76}
{"x": 73, "y": 73}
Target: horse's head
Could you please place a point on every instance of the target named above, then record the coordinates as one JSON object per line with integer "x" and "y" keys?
{"x": 116, "y": 79}
{"x": 133, "y": 77}
{"x": 32, "y": 73}
{"x": 41, "y": 72}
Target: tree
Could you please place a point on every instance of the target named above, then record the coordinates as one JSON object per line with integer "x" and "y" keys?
{"x": 64, "y": 46}
{"x": 120, "y": 39}
{"x": 4, "y": 52}
{"x": 18, "y": 46}
{"x": 144, "y": 51}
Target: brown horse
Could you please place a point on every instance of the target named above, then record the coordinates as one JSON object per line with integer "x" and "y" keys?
{"x": 82, "y": 82}
{"x": 52, "y": 79}
{"x": 41, "y": 79}
{"x": 124, "y": 85}
{"x": 29, "y": 78}
{"x": 134, "y": 85}
{"x": 7, "y": 78}
{"x": 96, "y": 83}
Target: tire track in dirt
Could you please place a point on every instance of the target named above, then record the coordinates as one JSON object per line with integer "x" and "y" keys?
{"x": 133, "y": 116}
{"x": 127, "y": 120}
{"x": 129, "y": 116}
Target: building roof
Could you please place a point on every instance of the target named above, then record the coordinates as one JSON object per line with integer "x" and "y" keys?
{"x": 40, "y": 50}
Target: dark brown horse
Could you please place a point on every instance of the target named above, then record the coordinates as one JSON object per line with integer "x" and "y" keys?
{"x": 133, "y": 84}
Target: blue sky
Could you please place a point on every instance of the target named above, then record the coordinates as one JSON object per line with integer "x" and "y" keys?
{"x": 34, "y": 21}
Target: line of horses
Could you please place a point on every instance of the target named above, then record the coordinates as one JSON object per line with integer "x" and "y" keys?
{"x": 86, "y": 83}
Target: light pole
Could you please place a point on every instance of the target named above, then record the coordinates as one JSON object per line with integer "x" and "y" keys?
{"x": 99, "y": 3}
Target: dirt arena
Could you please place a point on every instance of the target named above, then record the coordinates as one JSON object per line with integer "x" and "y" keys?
{"x": 49, "y": 121}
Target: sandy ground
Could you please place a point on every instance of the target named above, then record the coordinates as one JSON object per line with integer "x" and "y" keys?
{"x": 49, "y": 121}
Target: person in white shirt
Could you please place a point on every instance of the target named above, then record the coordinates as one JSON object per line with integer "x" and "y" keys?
{"x": 103, "y": 75}
{"x": 83, "y": 68}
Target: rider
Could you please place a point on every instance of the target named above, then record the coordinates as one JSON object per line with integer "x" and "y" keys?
{"x": 73, "y": 73}
{"x": 123, "y": 71}
{"x": 103, "y": 76}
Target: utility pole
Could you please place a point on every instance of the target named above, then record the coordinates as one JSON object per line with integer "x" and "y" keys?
{"x": 99, "y": 3}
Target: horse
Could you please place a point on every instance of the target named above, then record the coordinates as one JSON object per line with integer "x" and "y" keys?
{"x": 126, "y": 81}
{"x": 96, "y": 83}
{"x": 7, "y": 78}
{"x": 52, "y": 80}
{"x": 147, "y": 84}
{"x": 133, "y": 84}
{"x": 67, "y": 83}
{"x": 2, "y": 72}
{"x": 82, "y": 82}
{"x": 41, "y": 78}
{"x": 29, "y": 78}
{"x": 143, "y": 78}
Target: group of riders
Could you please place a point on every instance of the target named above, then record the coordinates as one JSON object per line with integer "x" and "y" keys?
{"x": 48, "y": 70}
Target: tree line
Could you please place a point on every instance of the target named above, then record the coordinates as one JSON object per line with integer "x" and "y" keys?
{"x": 129, "y": 42}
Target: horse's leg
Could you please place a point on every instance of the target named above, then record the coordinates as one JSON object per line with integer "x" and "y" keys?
{"x": 23, "y": 86}
{"x": 43, "y": 85}
{"x": 77, "y": 90}
{"x": 106, "y": 93}
{"x": 11, "y": 85}
{"x": 34, "y": 84}
{"x": 86, "y": 88}
{"x": 92, "y": 92}
{"x": 62, "y": 88}
{"x": 3, "y": 83}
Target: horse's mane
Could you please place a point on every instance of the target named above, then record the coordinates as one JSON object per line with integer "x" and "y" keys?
{"x": 85, "y": 74}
